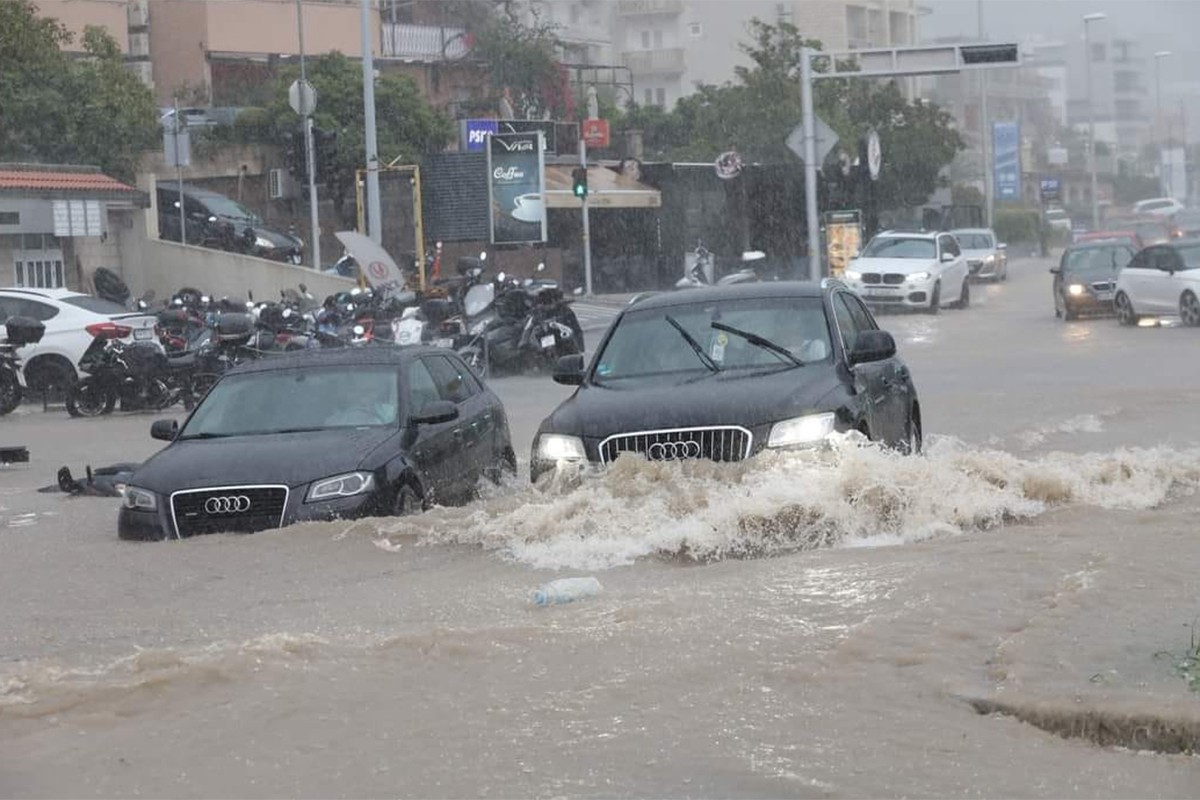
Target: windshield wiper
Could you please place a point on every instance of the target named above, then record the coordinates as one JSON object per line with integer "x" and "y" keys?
{"x": 288, "y": 430}
{"x": 687, "y": 337}
{"x": 205, "y": 435}
{"x": 759, "y": 341}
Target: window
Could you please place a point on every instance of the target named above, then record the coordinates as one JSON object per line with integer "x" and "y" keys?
{"x": 695, "y": 29}
{"x": 846, "y": 322}
{"x": 422, "y": 390}
{"x": 658, "y": 40}
{"x": 949, "y": 245}
{"x": 856, "y": 24}
{"x": 452, "y": 382}
{"x": 862, "y": 318}
{"x": 660, "y": 96}
{"x": 649, "y": 95}
{"x": 95, "y": 304}
{"x": 21, "y": 307}
{"x": 645, "y": 40}
{"x": 783, "y": 12}
{"x": 10, "y": 218}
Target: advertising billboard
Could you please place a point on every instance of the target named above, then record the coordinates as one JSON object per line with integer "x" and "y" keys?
{"x": 1006, "y": 152}
{"x": 516, "y": 188}
{"x": 475, "y": 133}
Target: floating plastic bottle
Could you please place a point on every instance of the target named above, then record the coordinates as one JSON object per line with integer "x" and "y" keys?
{"x": 566, "y": 590}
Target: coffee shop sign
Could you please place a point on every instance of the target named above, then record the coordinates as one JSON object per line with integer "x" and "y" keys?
{"x": 508, "y": 173}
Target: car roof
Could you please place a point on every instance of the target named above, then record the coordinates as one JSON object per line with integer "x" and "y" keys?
{"x": 43, "y": 294}
{"x": 1099, "y": 243}
{"x": 738, "y": 291}
{"x": 972, "y": 230}
{"x": 891, "y": 234}
{"x": 1193, "y": 242}
{"x": 339, "y": 356}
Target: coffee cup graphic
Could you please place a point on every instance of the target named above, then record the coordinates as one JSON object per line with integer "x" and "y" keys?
{"x": 529, "y": 208}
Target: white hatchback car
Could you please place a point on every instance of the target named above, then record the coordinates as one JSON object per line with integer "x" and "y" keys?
{"x": 987, "y": 259}
{"x": 911, "y": 270}
{"x": 1159, "y": 206}
{"x": 72, "y": 320}
{"x": 1161, "y": 280}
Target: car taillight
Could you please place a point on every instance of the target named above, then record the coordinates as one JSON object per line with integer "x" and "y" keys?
{"x": 109, "y": 330}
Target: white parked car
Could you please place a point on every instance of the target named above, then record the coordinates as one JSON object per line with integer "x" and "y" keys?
{"x": 911, "y": 270}
{"x": 1161, "y": 280}
{"x": 1057, "y": 218}
{"x": 72, "y": 320}
{"x": 1159, "y": 206}
{"x": 986, "y": 258}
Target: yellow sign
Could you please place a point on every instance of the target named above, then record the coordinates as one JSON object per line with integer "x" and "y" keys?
{"x": 843, "y": 241}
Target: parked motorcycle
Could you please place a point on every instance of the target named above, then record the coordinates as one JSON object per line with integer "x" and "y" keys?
{"x": 139, "y": 375}
{"x": 19, "y": 332}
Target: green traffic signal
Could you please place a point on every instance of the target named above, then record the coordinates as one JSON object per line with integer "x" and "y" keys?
{"x": 580, "y": 183}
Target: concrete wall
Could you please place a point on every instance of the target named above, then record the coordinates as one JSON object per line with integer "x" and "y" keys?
{"x": 177, "y": 47}
{"x": 78, "y": 14}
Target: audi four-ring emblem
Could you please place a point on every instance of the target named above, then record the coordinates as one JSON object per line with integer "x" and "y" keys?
{"x": 673, "y": 451}
{"x": 231, "y": 504}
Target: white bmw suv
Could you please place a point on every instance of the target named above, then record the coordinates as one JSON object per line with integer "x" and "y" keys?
{"x": 911, "y": 270}
{"x": 1161, "y": 280}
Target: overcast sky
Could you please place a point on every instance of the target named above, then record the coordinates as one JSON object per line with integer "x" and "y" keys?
{"x": 1158, "y": 24}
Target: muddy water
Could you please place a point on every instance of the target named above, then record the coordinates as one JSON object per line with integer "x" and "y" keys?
{"x": 821, "y": 625}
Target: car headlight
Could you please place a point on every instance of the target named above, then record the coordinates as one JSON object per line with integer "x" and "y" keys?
{"x": 917, "y": 277}
{"x": 808, "y": 429}
{"x": 851, "y": 275}
{"x": 1075, "y": 289}
{"x": 347, "y": 485}
{"x": 139, "y": 499}
{"x": 989, "y": 259}
{"x": 556, "y": 447}
{"x": 263, "y": 242}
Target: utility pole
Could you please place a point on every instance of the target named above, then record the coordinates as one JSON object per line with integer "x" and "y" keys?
{"x": 989, "y": 202}
{"x": 587, "y": 235}
{"x": 372, "y": 147}
{"x": 179, "y": 179}
{"x": 306, "y": 121}
{"x": 1087, "y": 58}
{"x": 1164, "y": 175}
{"x": 810, "y": 164}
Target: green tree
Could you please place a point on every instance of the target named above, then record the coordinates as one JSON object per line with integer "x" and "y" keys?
{"x": 54, "y": 108}
{"x": 406, "y": 125}
{"x": 522, "y": 64}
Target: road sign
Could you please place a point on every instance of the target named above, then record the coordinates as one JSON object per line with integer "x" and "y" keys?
{"x": 826, "y": 141}
{"x": 302, "y": 97}
{"x": 595, "y": 133}
{"x": 177, "y": 146}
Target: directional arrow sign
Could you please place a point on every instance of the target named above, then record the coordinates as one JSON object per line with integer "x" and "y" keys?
{"x": 826, "y": 141}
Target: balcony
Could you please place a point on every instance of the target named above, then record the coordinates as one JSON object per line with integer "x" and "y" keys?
{"x": 422, "y": 42}
{"x": 637, "y": 8}
{"x": 654, "y": 62}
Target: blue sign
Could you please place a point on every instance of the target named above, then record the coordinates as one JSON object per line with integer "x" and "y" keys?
{"x": 1051, "y": 189}
{"x": 475, "y": 133}
{"x": 1006, "y": 155}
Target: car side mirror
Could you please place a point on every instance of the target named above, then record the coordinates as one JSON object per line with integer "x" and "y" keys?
{"x": 569, "y": 370}
{"x": 1002, "y": 246}
{"x": 435, "y": 412}
{"x": 872, "y": 346}
{"x": 164, "y": 429}
{"x": 1055, "y": 271}
{"x": 947, "y": 258}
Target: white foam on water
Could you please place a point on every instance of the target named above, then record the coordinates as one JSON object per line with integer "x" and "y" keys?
{"x": 850, "y": 494}
{"x": 1081, "y": 423}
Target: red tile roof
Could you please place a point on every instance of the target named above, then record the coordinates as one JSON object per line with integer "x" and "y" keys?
{"x": 60, "y": 181}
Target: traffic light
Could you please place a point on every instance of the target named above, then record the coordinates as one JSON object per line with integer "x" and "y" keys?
{"x": 579, "y": 182}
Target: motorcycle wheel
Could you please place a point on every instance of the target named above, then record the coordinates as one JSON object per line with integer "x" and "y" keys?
{"x": 10, "y": 391}
{"x": 159, "y": 395}
{"x": 474, "y": 358}
{"x": 89, "y": 399}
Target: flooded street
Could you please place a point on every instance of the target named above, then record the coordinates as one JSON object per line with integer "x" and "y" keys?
{"x": 1002, "y": 616}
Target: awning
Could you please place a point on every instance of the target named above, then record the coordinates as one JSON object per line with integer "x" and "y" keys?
{"x": 606, "y": 189}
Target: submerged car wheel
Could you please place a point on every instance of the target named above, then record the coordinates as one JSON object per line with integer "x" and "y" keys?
{"x": 1124, "y": 309}
{"x": 964, "y": 298}
{"x": 88, "y": 399}
{"x": 10, "y": 391}
{"x": 1189, "y": 310}
{"x": 1067, "y": 312}
{"x": 935, "y": 300}
{"x": 407, "y": 502}
{"x": 912, "y": 443}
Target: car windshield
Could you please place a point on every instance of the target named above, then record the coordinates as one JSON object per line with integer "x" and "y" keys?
{"x": 900, "y": 247}
{"x": 288, "y": 400}
{"x": 1099, "y": 259}
{"x": 219, "y": 204}
{"x": 759, "y": 333}
{"x": 974, "y": 241}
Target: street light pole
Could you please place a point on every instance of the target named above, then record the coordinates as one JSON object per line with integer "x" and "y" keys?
{"x": 309, "y": 157}
{"x": 985, "y": 134}
{"x": 1087, "y": 56}
{"x": 810, "y": 164}
{"x": 1164, "y": 177}
{"x": 372, "y": 147}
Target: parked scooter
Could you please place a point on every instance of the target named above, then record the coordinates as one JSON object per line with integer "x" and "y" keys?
{"x": 19, "y": 332}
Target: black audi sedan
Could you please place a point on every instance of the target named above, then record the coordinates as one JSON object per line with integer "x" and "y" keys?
{"x": 726, "y": 372}
{"x": 321, "y": 435}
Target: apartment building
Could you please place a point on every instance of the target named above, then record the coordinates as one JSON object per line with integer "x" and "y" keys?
{"x": 1122, "y": 99}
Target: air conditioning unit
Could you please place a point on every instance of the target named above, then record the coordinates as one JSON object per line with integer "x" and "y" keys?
{"x": 139, "y": 45}
{"x": 279, "y": 184}
{"x": 138, "y": 13}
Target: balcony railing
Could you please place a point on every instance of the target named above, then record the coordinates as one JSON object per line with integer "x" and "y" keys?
{"x": 422, "y": 42}
{"x": 630, "y": 8}
{"x": 659, "y": 62}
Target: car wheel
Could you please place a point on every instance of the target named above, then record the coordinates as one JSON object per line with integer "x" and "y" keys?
{"x": 10, "y": 391}
{"x": 1068, "y": 313}
{"x": 50, "y": 371}
{"x": 964, "y": 297}
{"x": 912, "y": 444}
{"x": 1124, "y": 308}
{"x": 1189, "y": 310}
{"x": 935, "y": 300}
{"x": 407, "y": 502}
{"x": 88, "y": 399}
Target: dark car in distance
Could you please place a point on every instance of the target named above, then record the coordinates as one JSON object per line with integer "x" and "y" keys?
{"x": 1086, "y": 276}
{"x": 214, "y": 220}
{"x": 321, "y": 435}
{"x": 723, "y": 373}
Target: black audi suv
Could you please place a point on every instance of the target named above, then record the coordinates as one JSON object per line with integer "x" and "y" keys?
{"x": 321, "y": 435}
{"x": 724, "y": 373}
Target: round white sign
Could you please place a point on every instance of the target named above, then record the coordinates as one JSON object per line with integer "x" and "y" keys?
{"x": 728, "y": 165}
{"x": 874, "y": 154}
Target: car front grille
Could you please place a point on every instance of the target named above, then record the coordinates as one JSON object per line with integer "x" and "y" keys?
{"x": 228, "y": 509}
{"x": 723, "y": 443}
{"x": 871, "y": 277}
{"x": 1103, "y": 286}
{"x": 894, "y": 278}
